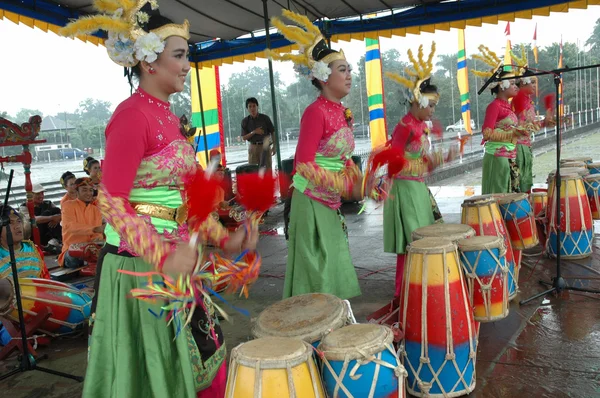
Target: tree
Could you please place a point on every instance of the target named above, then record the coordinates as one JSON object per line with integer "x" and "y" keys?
{"x": 5, "y": 115}
{"x": 594, "y": 39}
{"x": 24, "y": 114}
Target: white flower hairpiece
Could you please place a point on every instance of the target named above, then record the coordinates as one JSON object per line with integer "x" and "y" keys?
{"x": 504, "y": 85}
{"x": 321, "y": 71}
{"x": 148, "y": 46}
{"x": 423, "y": 102}
{"x": 526, "y": 80}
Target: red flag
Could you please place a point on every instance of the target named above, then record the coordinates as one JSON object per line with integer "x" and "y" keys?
{"x": 535, "y": 48}
{"x": 507, "y": 30}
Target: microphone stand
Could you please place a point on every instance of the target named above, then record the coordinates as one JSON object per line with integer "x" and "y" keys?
{"x": 558, "y": 283}
{"x": 27, "y": 363}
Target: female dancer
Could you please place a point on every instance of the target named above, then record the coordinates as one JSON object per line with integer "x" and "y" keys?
{"x": 67, "y": 180}
{"x": 524, "y": 108}
{"x": 92, "y": 168}
{"x": 501, "y": 131}
{"x": 132, "y": 353}
{"x": 409, "y": 205}
{"x": 318, "y": 252}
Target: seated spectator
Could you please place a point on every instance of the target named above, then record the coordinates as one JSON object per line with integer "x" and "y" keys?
{"x": 215, "y": 156}
{"x": 67, "y": 180}
{"x": 29, "y": 258}
{"x": 81, "y": 222}
{"x": 47, "y": 218}
{"x": 92, "y": 168}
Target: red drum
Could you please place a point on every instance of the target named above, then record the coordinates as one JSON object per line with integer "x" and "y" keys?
{"x": 440, "y": 342}
{"x": 89, "y": 252}
{"x": 576, "y": 229}
{"x": 70, "y": 306}
{"x": 519, "y": 219}
{"x": 483, "y": 214}
{"x": 539, "y": 200}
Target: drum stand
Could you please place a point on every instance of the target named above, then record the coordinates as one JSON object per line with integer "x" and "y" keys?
{"x": 27, "y": 363}
{"x": 558, "y": 283}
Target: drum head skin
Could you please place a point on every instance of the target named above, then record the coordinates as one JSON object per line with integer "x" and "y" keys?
{"x": 356, "y": 341}
{"x": 454, "y": 232}
{"x": 307, "y": 317}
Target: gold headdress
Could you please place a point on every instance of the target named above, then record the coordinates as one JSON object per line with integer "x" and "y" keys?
{"x": 522, "y": 64}
{"x": 127, "y": 42}
{"x": 420, "y": 77}
{"x": 490, "y": 58}
{"x": 314, "y": 56}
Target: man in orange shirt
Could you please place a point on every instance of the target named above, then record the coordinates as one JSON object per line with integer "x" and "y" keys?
{"x": 81, "y": 222}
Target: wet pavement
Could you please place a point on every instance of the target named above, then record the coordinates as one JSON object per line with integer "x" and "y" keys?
{"x": 546, "y": 348}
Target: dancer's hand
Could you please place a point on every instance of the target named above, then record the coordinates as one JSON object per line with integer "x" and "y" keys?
{"x": 181, "y": 261}
{"x": 251, "y": 240}
{"x": 452, "y": 153}
{"x": 233, "y": 245}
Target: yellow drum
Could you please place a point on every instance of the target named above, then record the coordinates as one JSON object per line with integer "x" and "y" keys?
{"x": 454, "y": 232}
{"x": 307, "y": 317}
{"x": 273, "y": 367}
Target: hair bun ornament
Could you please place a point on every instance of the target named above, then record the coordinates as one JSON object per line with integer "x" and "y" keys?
{"x": 124, "y": 21}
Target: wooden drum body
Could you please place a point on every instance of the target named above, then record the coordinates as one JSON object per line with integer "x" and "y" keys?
{"x": 70, "y": 306}
{"x": 273, "y": 367}
{"x": 360, "y": 361}
{"x": 483, "y": 259}
{"x": 440, "y": 346}
{"x": 519, "y": 219}
{"x": 576, "y": 226}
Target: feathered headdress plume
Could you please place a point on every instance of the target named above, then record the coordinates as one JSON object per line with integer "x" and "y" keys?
{"x": 489, "y": 58}
{"x": 314, "y": 54}
{"x": 419, "y": 77}
{"x": 124, "y": 21}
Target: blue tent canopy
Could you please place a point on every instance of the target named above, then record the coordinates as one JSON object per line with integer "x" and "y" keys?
{"x": 238, "y": 25}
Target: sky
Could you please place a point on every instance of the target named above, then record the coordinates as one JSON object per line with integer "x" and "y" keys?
{"x": 54, "y": 74}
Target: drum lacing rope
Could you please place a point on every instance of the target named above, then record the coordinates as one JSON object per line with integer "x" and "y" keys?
{"x": 567, "y": 217}
{"x": 425, "y": 387}
{"x": 351, "y": 317}
{"x": 34, "y": 338}
{"x": 486, "y": 289}
{"x": 529, "y": 218}
{"x": 399, "y": 371}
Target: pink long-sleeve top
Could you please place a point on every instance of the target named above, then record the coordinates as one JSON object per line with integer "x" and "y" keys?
{"x": 146, "y": 160}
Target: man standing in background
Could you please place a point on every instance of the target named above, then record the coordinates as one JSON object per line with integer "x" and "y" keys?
{"x": 257, "y": 129}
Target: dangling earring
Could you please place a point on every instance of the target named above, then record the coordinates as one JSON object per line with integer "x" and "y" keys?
{"x": 152, "y": 70}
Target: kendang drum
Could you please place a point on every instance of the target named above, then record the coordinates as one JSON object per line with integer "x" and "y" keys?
{"x": 572, "y": 163}
{"x": 454, "y": 232}
{"x": 440, "y": 345}
{"x": 575, "y": 231}
{"x": 307, "y": 317}
{"x": 360, "y": 361}
{"x": 592, "y": 183}
{"x": 594, "y": 168}
{"x": 519, "y": 220}
{"x": 483, "y": 214}
{"x": 483, "y": 259}
{"x": 583, "y": 159}
{"x": 70, "y": 306}
{"x": 539, "y": 200}
{"x": 88, "y": 252}
{"x": 273, "y": 367}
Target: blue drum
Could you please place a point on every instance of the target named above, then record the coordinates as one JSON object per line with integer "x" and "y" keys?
{"x": 594, "y": 168}
{"x": 360, "y": 361}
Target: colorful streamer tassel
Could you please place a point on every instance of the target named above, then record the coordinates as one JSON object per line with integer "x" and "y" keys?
{"x": 238, "y": 274}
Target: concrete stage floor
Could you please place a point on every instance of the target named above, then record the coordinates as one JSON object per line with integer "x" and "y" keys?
{"x": 547, "y": 348}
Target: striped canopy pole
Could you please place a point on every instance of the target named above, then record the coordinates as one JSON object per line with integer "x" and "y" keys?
{"x": 374, "y": 82}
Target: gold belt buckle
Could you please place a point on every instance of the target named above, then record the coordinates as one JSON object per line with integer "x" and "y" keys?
{"x": 181, "y": 214}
